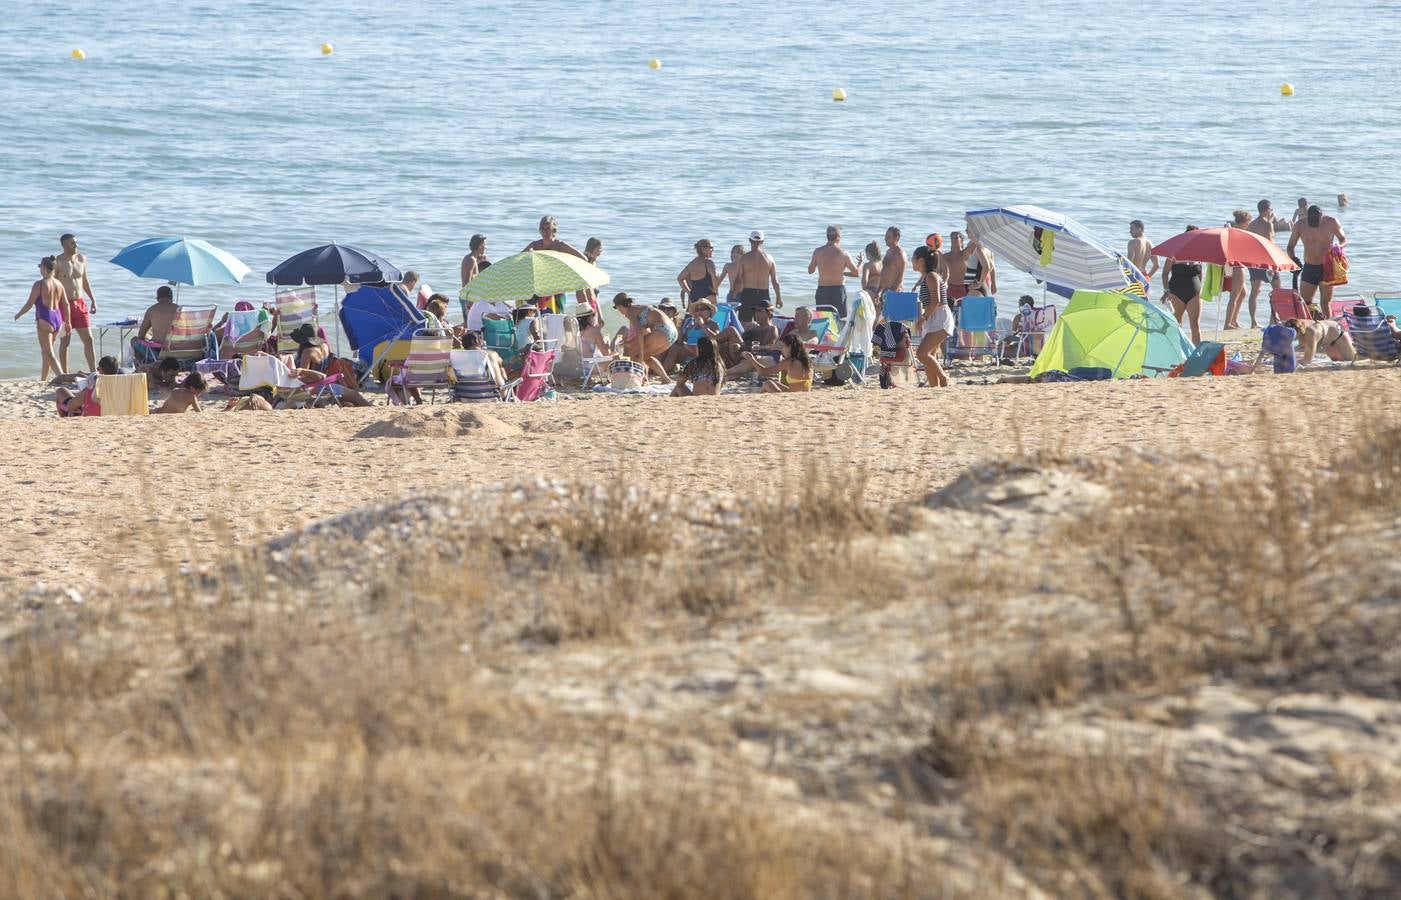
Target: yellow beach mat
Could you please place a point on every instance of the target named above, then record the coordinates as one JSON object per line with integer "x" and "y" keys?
{"x": 122, "y": 395}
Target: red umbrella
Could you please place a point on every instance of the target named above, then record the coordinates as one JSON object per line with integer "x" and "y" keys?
{"x": 1225, "y": 247}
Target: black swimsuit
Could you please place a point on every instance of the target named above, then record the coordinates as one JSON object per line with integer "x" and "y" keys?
{"x": 1185, "y": 281}
{"x": 701, "y": 288}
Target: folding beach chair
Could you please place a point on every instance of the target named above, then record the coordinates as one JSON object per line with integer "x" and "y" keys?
{"x": 500, "y": 335}
{"x": 475, "y": 380}
{"x": 122, "y": 395}
{"x": 248, "y": 332}
{"x": 1032, "y": 337}
{"x": 295, "y": 307}
{"x": 1388, "y": 303}
{"x": 190, "y": 335}
{"x": 535, "y": 377}
{"x": 1343, "y": 302}
{"x": 901, "y": 306}
{"x": 429, "y": 364}
{"x": 1207, "y": 358}
{"x": 1287, "y": 304}
{"x": 974, "y": 329}
{"x": 262, "y": 371}
{"x": 1371, "y": 335}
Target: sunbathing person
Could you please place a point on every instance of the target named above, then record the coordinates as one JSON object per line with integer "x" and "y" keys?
{"x": 185, "y": 397}
{"x": 794, "y": 368}
{"x": 1327, "y": 336}
{"x": 704, "y": 374}
{"x": 81, "y": 402}
{"x": 254, "y": 402}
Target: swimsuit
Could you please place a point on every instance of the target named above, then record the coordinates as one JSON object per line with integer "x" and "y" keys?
{"x": 752, "y": 297}
{"x": 667, "y": 326}
{"x": 1185, "y": 281}
{"x": 701, "y": 288}
{"x": 787, "y": 381}
{"x": 1312, "y": 274}
{"x": 832, "y": 295}
{"x": 78, "y": 315}
{"x": 43, "y": 313}
{"x": 1260, "y": 274}
{"x": 942, "y": 320}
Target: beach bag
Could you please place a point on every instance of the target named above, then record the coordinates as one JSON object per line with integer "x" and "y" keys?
{"x": 1335, "y": 266}
{"x": 626, "y": 375}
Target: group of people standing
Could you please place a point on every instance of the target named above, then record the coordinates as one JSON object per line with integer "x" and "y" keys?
{"x": 63, "y": 305}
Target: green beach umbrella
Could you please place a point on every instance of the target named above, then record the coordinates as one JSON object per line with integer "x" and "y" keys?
{"x": 1122, "y": 333}
{"x": 534, "y": 273}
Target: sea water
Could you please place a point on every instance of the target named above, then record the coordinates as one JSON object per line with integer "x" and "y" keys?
{"x": 435, "y": 120}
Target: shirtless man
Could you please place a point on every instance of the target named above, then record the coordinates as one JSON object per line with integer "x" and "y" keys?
{"x": 549, "y": 239}
{"x": 969, "y": 267}
{"x": 1263, "y": 225}
{"x": 1318, "y": 232}
{"x": 71, "y": 268}
{"x": 832, "y": 265}
{"x": 755, "y": 273}
{"x": 475, "y": 262}
{"x": 1140, "y": 251}
{"x": 892, "y": 273}
{"x": 155, "y": 326}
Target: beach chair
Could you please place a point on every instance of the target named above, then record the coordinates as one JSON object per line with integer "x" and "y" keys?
{"x": 474, "y": 379}
{"x": 264, "y": 372}
{"x": 190, "y": 335}
{"x": 1388, "y": 303}
{"x": 1032, "y": 337}
{"x": 248, "y": 332}
{"x": 429, "y": 363}
{"x": 295, "y": 307}
{"x": 535, "y": 377}
{"x": 901, "y": 306}
{"x": 975, "y": 329}
{"x": 122, "y": 395}
{"x": 1343, "y": 302}
{"x": 500, "y": 335}
{"x": 1372, "y": 337}
{"x": 1208, "y": 358}
{"x": 1286, "y": 304}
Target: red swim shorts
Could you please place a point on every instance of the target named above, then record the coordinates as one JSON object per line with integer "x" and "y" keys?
{"x": 78, "y": 315}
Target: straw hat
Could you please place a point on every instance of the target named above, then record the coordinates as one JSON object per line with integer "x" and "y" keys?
{"x": 699, "y": 304}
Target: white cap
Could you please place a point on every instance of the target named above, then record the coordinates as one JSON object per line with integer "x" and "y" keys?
{"x": 757, "y": 236}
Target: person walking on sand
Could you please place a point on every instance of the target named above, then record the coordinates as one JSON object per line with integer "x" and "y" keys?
{"x": 1263, "y": 225}
{"x": 1182, "y": 285}
{"x": 699, "y": 280}
{"x": 1140, "y": 250}
{"x": 756, "y": 274}
{"x": 47, "y": 297}
{"x": 935, "y": 322}
{"x": 1318, "y": 232}
{"x": 832, "y": 265}
{"x": 71, "y": 268}
{"x": 892, "y": 271}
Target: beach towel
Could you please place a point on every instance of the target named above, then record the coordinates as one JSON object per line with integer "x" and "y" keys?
{"x": 122, "y": 395}
{"x": 1335, "y": 266}
{"x": 1278, "y": 341}
{"x": 1048, "y": 247}
{"x": 1212, "y": 278}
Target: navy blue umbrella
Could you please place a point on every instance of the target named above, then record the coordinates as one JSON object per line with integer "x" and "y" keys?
{"x": 372, "y": 315}
{"x": 333, "y": 264}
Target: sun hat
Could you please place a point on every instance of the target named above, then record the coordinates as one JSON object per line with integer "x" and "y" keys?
{"x": 701, "y": 303}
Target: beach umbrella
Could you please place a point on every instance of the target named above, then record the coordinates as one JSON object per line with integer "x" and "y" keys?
{"x": 371, "y": 315}
{"x": 1120, "y": 332}
{"x": 534, "y": 273}
{"x": 181, "y": 261}
{"x": 1226, "y": 247}
{"x": 1053, "y": 248}
{"x": 333, "y": 264}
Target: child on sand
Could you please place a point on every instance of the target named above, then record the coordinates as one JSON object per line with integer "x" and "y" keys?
{"x": 185, "y": 397}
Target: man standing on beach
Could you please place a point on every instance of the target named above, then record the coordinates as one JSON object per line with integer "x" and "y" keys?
{"x": 1140, "y": 251}
{"x": 832, "y": 265}
{"x": 969, "y": 268}
{"x": 1263, "y": 225}
{"x": 71, "y": 269}
{"x": 756, "y": 273}
{"x": 1318, "y": 232}
{"x": 892, "y": 273}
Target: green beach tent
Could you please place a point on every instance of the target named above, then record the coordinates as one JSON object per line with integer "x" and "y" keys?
{"x": 1122, "y": 333}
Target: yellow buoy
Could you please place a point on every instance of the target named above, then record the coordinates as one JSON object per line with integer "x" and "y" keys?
{"x": 1286, "y": 90}
{"x": 79, "y": 54}
{"x": 327, "y": 49}
{"x": 839, "y": 95}
{"x": 654, "y": 63}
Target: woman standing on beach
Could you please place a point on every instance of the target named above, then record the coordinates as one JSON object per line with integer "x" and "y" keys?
{"x": 1183, "y": 283}
{"x": 871, "y": 269}
{"x": 935, "y": 322}
{"x": 50, "y": 302}
{"x": 699, "y": 280}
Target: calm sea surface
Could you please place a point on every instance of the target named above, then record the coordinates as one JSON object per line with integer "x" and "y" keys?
{"x": 434, "y": 120}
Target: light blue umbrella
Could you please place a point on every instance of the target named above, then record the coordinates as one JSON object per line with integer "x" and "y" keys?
{"x": 182, "y": 261}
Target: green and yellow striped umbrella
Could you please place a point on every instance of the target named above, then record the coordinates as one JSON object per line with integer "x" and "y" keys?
{"x": 534, "y": 273}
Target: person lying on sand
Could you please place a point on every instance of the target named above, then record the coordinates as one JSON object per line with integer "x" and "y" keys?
{"x": 185, "y": 397}
{"x": 81, "y": 402}
{"x": 255, "y": 402}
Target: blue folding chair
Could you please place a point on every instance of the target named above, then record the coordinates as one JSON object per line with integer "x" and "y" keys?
{"x": 1388, "y": 303}
{"x": 975, "y": 328}
{"x": 1372, "y": 337}
{"x": 901, "y": 306}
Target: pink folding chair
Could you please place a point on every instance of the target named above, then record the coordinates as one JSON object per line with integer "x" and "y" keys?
{"x": 537, "y": 374}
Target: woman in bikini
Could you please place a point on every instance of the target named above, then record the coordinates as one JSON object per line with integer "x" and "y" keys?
{"x": 698, "y": 280}
{"x": 705, "y": 372}
{"x": 794, "y": 368}
{"x": 49, "y": 301}
{"x": 648, "y": 335}
{"x": 1182, "y": 282}
{"x": 1327, "y": 337}
{"x": 935, "y": 322}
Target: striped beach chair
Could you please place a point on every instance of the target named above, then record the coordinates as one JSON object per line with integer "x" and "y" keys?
{"x": 188, "y": 339}
{"x": 295, "y": 306}
{"x": 475, "y": 380}
{"x": 1372, "y": 337}
{"x": 248, "y": 332}
{"x": 429, "y": 363}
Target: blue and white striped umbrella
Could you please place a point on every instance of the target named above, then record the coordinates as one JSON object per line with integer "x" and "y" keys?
{"x": 1054, "y": 249}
